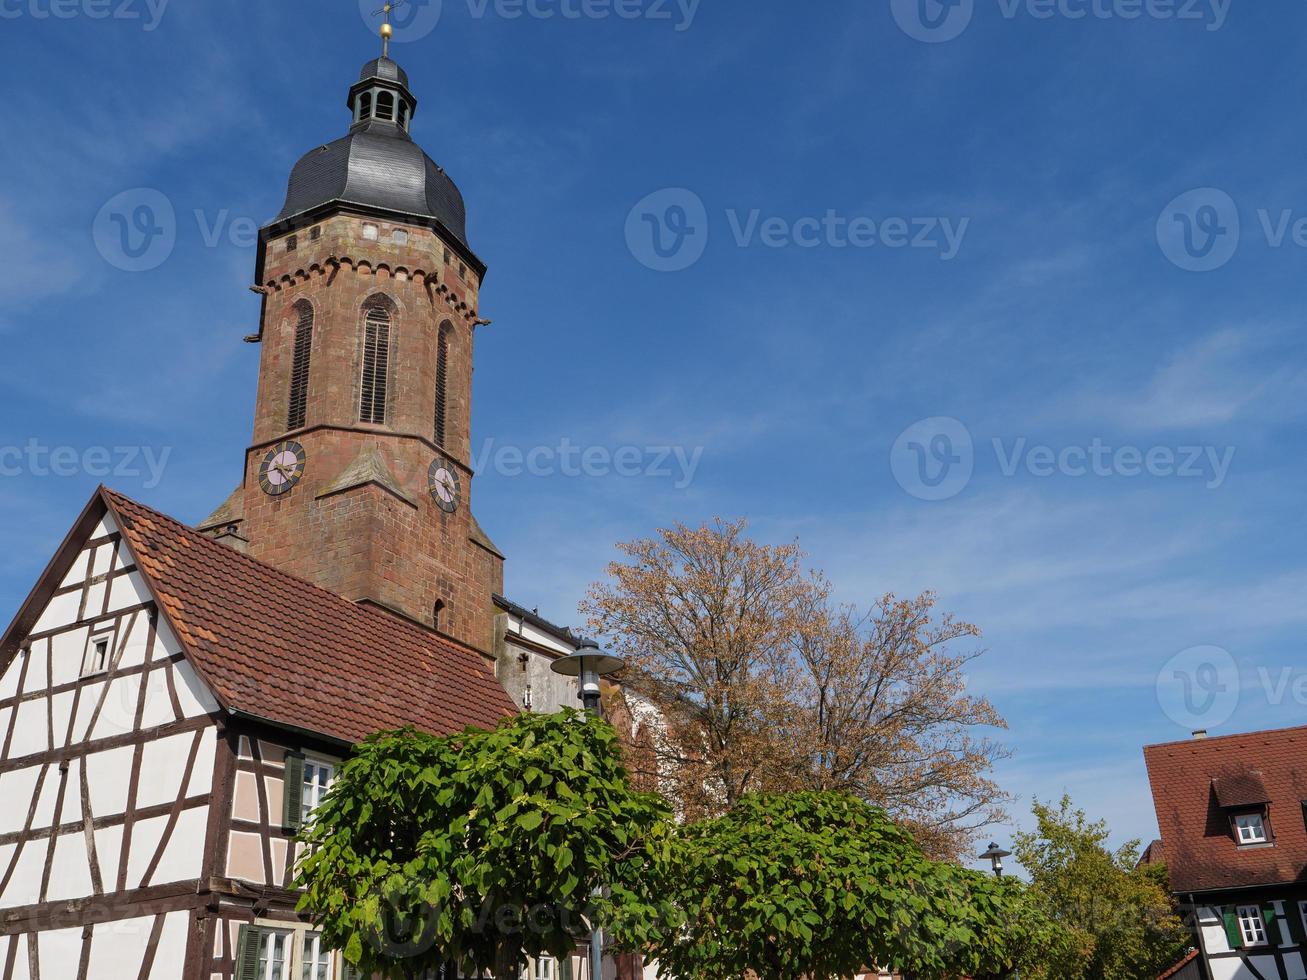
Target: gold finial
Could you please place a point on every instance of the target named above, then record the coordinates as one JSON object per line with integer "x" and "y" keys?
{"x": 387, "y": 29}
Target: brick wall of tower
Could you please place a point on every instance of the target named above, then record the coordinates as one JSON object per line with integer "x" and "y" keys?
{"x": 390, "y": 545}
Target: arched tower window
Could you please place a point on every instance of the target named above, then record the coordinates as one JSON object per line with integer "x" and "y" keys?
{"x": 386, "y": 105}
{"x": 376, "y": 366}
{"x": 438, "y": 614}
{"x": 299, "y": 369}
{"x": 365, "y": 106}
{"x": 442, "y": 380}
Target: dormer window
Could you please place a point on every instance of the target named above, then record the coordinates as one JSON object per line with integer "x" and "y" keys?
{"x": 1250, "y": 828}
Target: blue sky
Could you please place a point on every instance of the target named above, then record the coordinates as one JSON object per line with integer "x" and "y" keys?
{"x": 1143, "y": 499}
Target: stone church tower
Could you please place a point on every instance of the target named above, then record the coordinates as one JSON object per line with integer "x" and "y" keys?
{"x": 358, "y": 474}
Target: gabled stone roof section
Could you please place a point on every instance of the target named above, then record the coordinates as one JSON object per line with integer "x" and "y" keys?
{"x": 369, "y": 467}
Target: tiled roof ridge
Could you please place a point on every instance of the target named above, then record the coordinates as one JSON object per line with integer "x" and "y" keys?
{"x": 1233, "y": 736}
{"x": 1189, "y": 958}
{"x": 119, "y": 501}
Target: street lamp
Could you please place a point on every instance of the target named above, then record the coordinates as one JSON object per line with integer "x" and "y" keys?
{"x": 587, "y": 665}
{"x": 995, "y": 856}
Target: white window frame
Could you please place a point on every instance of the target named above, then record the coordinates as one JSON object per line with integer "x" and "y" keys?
{"x": 96, "y": 661}
{"x": 1250, "y": 828}
{"x": 312, "y": 956}
{"x": 267, "y": 947}
{"x": 297, "y": 949}
{"x": 1252, "y": 927}
{"x": 312, "y": 789}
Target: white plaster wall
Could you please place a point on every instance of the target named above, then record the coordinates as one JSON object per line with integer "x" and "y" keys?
{"x": 127, "y": 591}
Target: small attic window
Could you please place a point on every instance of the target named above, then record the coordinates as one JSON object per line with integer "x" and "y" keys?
{"x": 399, "y": 236}
{"x": 97, "y": 656}
{"x": 292, "y": 243}
{"x": 1250, "y": 828}
{"x": 315, "y": 233}
{"x": 369, "y": 231}
{"x": 449, "y": 256}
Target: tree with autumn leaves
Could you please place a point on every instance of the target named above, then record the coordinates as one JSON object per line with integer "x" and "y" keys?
{"x": 748, "y": 678}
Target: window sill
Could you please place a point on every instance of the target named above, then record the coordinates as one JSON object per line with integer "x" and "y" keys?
{"x": 1262, "y": 845}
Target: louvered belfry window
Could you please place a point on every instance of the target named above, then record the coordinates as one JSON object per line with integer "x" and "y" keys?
{"x": 442, "y": 381}
{"x": 299, "y": 370}
{"x": 376, "y": 363}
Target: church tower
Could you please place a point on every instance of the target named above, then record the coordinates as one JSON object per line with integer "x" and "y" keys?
{"x": 358, "y": 476}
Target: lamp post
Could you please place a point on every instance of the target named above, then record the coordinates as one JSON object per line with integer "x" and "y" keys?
{"x": 995, "y": 856}
{"x": 587, "y": 665}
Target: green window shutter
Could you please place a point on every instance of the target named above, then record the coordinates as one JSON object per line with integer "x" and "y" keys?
{"x": 247, "y": 953}
{"x": 565, "y": 968}
{"x": 1293, "y": 915}
{"x": 1272, "y": 930}
{"x": 1232, "y": 933}
{"x": 349, "y": 971}
{"x": 292, "y": 794}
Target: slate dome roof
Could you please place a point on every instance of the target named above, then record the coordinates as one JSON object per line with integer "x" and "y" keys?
{"x": 377, "y": 166}
{"x": 386, "y": 69}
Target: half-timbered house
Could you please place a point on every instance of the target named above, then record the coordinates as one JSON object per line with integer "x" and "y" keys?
{"x": 171, "y": 710}
{"x": 1233, "y": 816}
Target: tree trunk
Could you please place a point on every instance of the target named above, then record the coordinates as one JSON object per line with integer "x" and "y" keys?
{"x": 508, "y": 965}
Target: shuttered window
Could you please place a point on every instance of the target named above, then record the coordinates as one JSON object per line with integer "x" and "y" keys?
{"x": 1252, "y": 926}
{"x": 292, "y": 796}
{"x": 263, "y": 954}
{"x": 386, "y": 105}
{"x": 376, "y": 366}
{"x": 442, "y": 381}
{"x": 299, "y": 371}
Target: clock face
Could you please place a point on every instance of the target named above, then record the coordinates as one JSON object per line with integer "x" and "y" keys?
{"x": 282, "y": 468}
{"x": 445, "y": 485}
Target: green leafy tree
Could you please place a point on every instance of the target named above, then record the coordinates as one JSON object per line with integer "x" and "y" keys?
{"x": 482, "y": 848}
{"x": 1121, "y": 918}
{"x": 822, "y": 885}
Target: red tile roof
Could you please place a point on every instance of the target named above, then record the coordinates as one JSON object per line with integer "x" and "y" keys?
{"x": 283, "y": 649}
{"x": 1201, "y": 854}
{"x": 1189, "y": 958}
